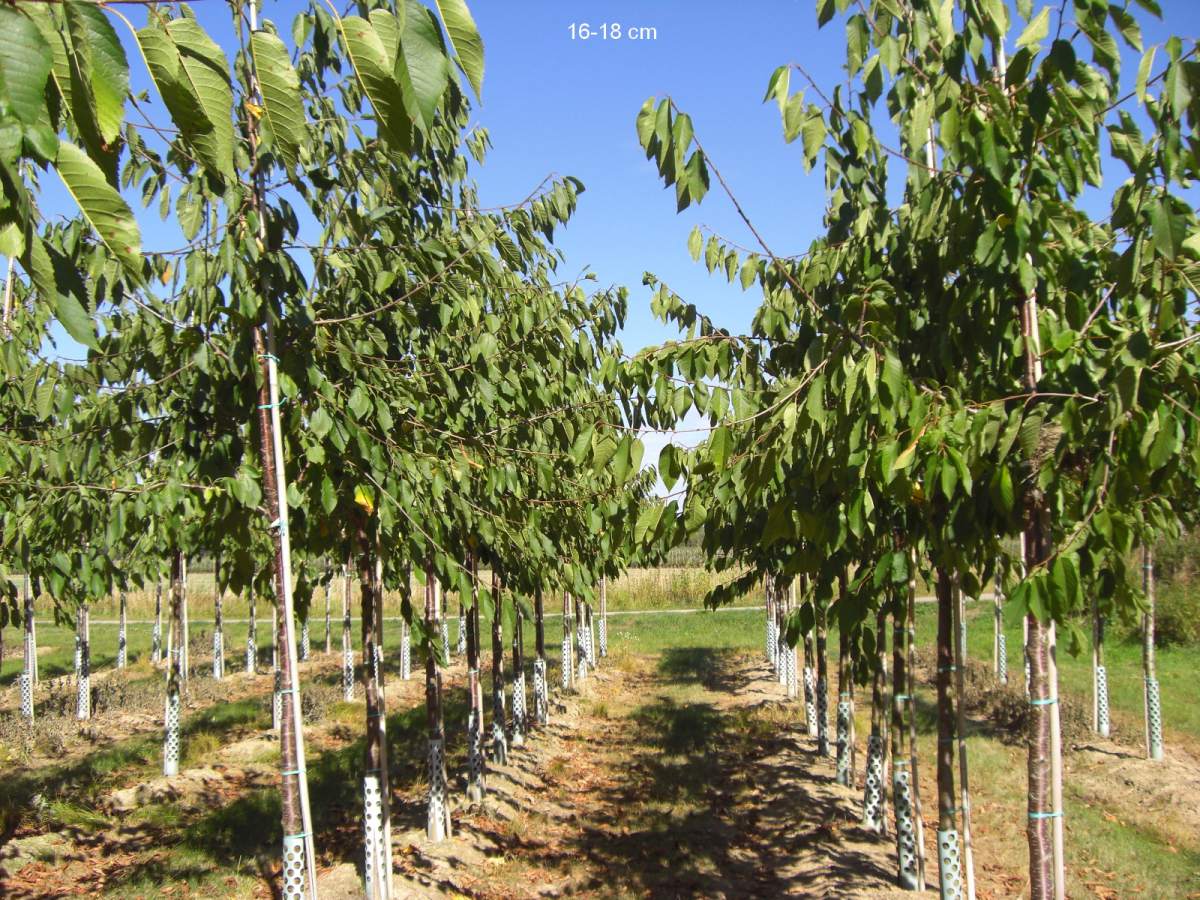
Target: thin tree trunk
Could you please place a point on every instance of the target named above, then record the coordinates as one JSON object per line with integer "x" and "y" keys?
{"x": 1100, "y": 721}
{"x": 328, "y": 613}
{"x": 903, "y": 767}
{"x": 499, "y": 733}
{"x": 822, "y": 684}
{"x": 845, "y": 711}
{"x": 83, "y": 685}
{"x": 603, "y": 616}
{"x": 30, "y": 655}
{"x": 1151, "y": 702}
{"x": 172, "y": 737}
{"x": 376, "y": 788}
{"x": 123, "y": 632}
{"x": 218, "y": 662}
{"x": 476, "y": 761}
{"x": 185, "y": 648}
{"x": 568, "y": 662}
{"x": 911, "y": 634}
{"x": 960, "y": 667}
{"x": 541, "y": 699}
{"x": 949, "y": 868}
{"x": 874, "y": 786}
{"x": 518, "y": 681}
{"x": 1041, "y": 859}
{"x": 347, "y": 640}
{"x": 156, "y": 636}
{"x": 438, "y": 823}
{"x": 252, "y": 634}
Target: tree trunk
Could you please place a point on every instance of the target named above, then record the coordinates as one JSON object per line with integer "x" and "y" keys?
{"x": 908, "y": 874}
{"x": 461, "y": 647}
{"x": 499, "y": 732}
{"x": 328, "y": 613}
{"x": 845, "y": 711}
{"x": 377, "y": 831}
{"x": 810, "y": 685}
{"x": 438, "y": 823}
{"x": 172, "y": 736}
{"x": 123, "y": 632}
{"x": 911, "y": 691}
{"x": 518, "y": 681}
{"x": 568, "y": 662}
{"x": 1000, "y": 645}
{"x": 768, "y": 600}
{"x": 218, "y": 661}
{"x": 822, "y": 685}
{"x": 1152, "y": 705}
{"x": 30, "y": 655}
{"x": 83, "y": 682}
{"x": 185, "y": 648}
{"x": 347, "y": 640}
{"x": 874, "y": 787}
{"x": 476, "y": 762}
{"x": 960, "y": 668}
{"x": 156, "y": 635}
{"x": 1100, "y": 721}
{"x": 541, "y": 700}
{"x": 949, "y": 868}
{"x": 1041, "y": 860}
{"x": 252, "y": 633}
{"x": 603, "y": 616}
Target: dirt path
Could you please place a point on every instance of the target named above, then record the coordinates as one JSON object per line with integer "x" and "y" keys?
{"x": 681, "y": 775}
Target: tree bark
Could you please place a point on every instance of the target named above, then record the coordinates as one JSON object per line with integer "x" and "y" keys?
{"x": 499, "y": 730}
{"x": 1152, "y": 704}
{"x": 949, "y": 869}
{"x": 822, "y": 684}
{"x": 438, "y": 822}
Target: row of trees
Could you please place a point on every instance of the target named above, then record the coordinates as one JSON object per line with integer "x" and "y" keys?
{"x": 416, "y": 392}
{"x": 965, "y": 362}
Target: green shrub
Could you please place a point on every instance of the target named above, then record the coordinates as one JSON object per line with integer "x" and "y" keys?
{"x": 1177, "y": 615}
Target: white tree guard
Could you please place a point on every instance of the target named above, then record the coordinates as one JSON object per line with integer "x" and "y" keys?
{"x": 844, "y": 774}
{"x": 603, "y": 637}
{"x": 781, "y": 655}
{"x": 27, "y": 695}
{"x": 822, "y": 714}
{"x": 518, "y": 713}
{"x": 461, "y": 647}
{"x": 475, "y": 782}
{"x": 1154, "y": 714}
{"x": 591, "y": 641}
{"x": 156, "y": 642}
{"x": 541, "y": 699}
{"x": 294, "y": 870}
{"x": 305, "y": 643}
{"x": 122, "y": 643}
{"x": 810, "y": 701}
{"x": 906, "y": 827}
{"x": 251, "y": 653}
{"x": 772, "y": 642}
{"x": 1103, "y": 726}
{"x": 949, "y": 865}
{"x": 566, "y": 659}
{"x": 1002, "y": 659}
{"x": 581, "y": 666}
{"x": 347, "y": 671}
{"x": 446, "y": 638}
{"x": 437, "y": 827}
{"x": 277, "y": 702}
{"x": 377, "y": 863}
{"x": 218, "y": 664}
{"x": 171, "y": 735}
{"x": 83, "y": 684}
{"x": 499, "y": 735}
{"x": 377, "y": 663}
{"x": 873, "y": 790}
{"x": 405, "y": 652}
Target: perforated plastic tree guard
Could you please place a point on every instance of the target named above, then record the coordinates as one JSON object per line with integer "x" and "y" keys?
{"x": 218, "y": 655}
{"x": 772, "y": 643}
{"x": 461, "y": 648}
{"x": 438, "y": 824}
{"x": 1102, "y": 723}
{"x": 518, "y": 713}
{"x": 906, "y": 828}
{"x": 294, "y": 870}
{"x": 277, "y": 701}
{"x": 949, "y": 865}
{"x": 122, "y": 646}
{"x": 873, "y": 793}
{"x": 810, "y": 700}
{"x": 541, "y": 701}
{"x": 156, "y": 642}
{"x": 1002, "y": 660}
{"x": 1154, "y": 712}
{"x": 591, "y": 641}
{"x": 27, "y": 695}
{"x": 347, "y": 672}
{"x": 376, "y": 848}
{"x": 603, "y": 636}
{"x": 843, "y": 742}
{"x": 446, "y": 638}
{"x": 475, "y": 785}
{"x": 793, "y": 685}
{"x": 251, "y": 655}
{"x": 499, "y": 736}
{"x": 305, "y": 644}
{"x": 566, "y": 660}
{"x": 822, "y": 713}
{"x": 83, "y": 689}
{"x": 405, "y": 652}
{"x": 171, "y": 736}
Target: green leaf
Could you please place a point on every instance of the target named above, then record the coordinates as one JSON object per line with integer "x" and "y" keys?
{"x": 719, "y": 446}
{"x": 376, "y": 73}
{"x": 25, "y": 61}
{"x": 695, "y": 243}
{"x": 283, "y": 122}
{"x": 103, "y": 207}
{"x": 464, "y": 40}
{"x": 1036, "y": 30}
{"x": 422, "y": 64}
{"x": 1143, "y": 72}
{"x": 1169, "y": 229}
{"x": 320, "y": 423}
{"x": 192, "y": 75}
{"x": 105, "y": 64}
